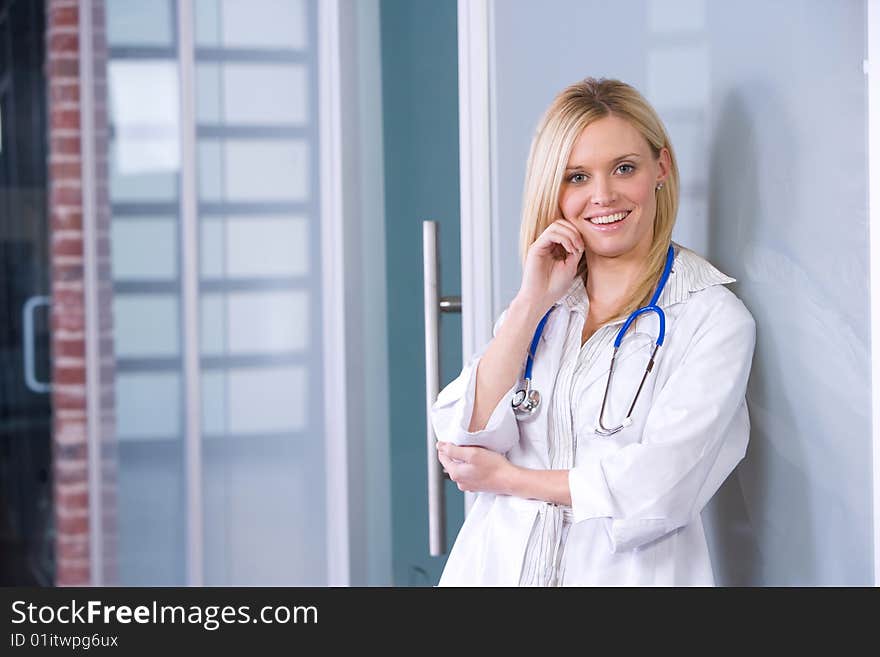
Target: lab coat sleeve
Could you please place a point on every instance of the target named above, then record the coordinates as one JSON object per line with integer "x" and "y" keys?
{"x": 696, "y": 432}
{"x": 451, "y": 413}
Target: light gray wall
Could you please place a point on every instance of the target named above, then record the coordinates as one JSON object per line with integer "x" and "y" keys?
{"x": 766, "y": 104}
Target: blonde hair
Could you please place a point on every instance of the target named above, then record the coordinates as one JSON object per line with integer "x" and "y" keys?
{"x": 572, "y": 110}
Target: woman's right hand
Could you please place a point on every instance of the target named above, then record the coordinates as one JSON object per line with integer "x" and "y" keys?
{"x": 551, "y": 264}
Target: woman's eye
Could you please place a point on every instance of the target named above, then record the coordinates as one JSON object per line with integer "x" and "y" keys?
{"x": 626, "y": 168}
{"x": 577, "y": 178}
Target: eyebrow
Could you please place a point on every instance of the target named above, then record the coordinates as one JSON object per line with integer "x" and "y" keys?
{"x": 615, "y": 160}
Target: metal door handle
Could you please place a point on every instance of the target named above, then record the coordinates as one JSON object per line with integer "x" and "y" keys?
{"x": 27, "y": 320}
{"x": 434, "y": 305}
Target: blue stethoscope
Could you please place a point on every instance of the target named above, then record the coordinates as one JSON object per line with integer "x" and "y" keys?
{"x": 526, "y": 400}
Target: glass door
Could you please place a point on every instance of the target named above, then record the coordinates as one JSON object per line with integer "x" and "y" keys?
{"x": 215, "y": 252}
{"x": 26, "y": 516}
{"x": 419, "y": 43}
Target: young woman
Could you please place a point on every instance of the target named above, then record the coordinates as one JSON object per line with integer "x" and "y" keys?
{"x": 589, "y": 475}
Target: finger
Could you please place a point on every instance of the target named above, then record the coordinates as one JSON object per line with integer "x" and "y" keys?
{"x": 571, "y": 230}
{"x": 449, "y": 468}
{"x": 457, "y": 453}
{"x": 553, "y": 239}
{"x": 578, "y": 238}
{"x": 451, "y": 465}
{"x": 561, "y": 235}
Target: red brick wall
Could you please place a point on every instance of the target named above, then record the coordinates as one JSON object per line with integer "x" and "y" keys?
{"x": 70, "y": 449}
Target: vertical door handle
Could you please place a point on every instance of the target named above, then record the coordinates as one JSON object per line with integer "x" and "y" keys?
{"x": 434, "y": 305}
{"x": 27, "y": 320}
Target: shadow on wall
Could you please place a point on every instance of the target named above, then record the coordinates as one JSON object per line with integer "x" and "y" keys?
{"x": 744, "y": 515}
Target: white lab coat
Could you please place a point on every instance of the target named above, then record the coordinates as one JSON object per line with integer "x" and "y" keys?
{"x": 636, "y": 496}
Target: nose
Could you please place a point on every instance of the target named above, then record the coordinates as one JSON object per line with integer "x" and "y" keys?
{"x": 603, "y": 192}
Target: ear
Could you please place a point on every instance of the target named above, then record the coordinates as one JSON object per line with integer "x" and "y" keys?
{"x": 664, "y": 164}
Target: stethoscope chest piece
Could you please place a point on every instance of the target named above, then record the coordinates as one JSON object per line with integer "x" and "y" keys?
{"x": 525, "y": 401}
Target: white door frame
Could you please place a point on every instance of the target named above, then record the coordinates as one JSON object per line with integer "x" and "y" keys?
{"x": 333, "y": 294}
{"x": 475, "y": 179}
{"x": 475, "y": 169}
{"x": 90, "y": 293}
{"x": 872, "y": 73}
{"x": 355, "y": 356}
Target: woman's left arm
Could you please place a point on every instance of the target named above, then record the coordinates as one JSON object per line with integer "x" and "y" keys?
{"x": 695, "y": 434}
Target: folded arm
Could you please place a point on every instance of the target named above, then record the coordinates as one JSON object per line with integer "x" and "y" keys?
{"x": 475, "y": 409}
{"x": 695, "y": 434}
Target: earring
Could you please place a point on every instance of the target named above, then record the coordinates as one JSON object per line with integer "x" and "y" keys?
{"x": 659, "y": 186}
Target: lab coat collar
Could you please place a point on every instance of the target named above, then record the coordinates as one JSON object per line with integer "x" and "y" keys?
{"x": 690, "y": 273}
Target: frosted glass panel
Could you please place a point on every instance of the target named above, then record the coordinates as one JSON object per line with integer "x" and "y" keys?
{"x": 213, "y": 403}
{"x": 145, "y": 150}
{"x": 253, "y": 170}
{"x": 151, "y": 525}
{"x": 267, "y": 400}
{"x": 137, "y": 155}
{"x": 144, "y": 249}
{"x": 263, "y": 23}
{"x": 254, "y": 322}
{"x": 262, "y": 482}
{"x": 146, "y": 325}
{"x": 270, "y": 247}
{"x": 259, "y": 170}
{"x": 213, "y": 320}
{"x": 270, "y": 482}
{"x": 211, "y": 248}
{"x": 207, "y": 22}
{"x": 208, "y": 93}
{"x": 267, "y": 93}
{"x": 267, "y": 247}
{"x": 253, "y": 94}
{"x": 144, "y": 107}
{"x": 257, "y": 138}
{"x": 736, "y": 86}
{"x": 148, "y": 405}
{"x": 146, "y": 534}
{"x": 139, "y": 23}
{"x": 128, "y": 185}
{"x": 266, "y": 322}
{"x": 210, "y": 170}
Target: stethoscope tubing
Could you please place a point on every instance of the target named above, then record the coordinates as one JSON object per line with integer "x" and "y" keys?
{"x": 526, "y": 400}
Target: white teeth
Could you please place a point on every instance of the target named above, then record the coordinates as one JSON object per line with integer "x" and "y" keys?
{"x": 609, "y": 219}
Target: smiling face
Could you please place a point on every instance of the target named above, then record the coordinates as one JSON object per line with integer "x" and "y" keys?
{"x": 609, "y": 186}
